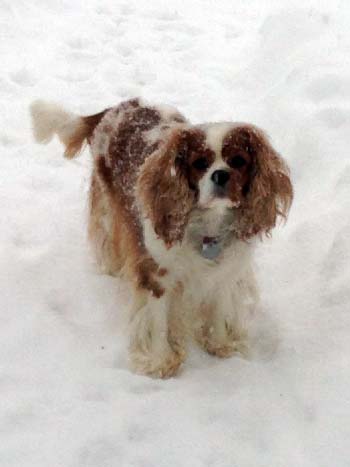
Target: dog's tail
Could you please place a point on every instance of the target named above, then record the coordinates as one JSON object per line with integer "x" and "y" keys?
{"x": 49, "y": 119}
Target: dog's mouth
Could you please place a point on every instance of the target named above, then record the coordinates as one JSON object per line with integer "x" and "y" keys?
{"x": 219, "y": 201}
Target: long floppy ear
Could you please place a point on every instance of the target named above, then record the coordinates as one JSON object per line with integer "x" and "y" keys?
{"x": 164, "y": 192}
{"x": 270, "y": 192}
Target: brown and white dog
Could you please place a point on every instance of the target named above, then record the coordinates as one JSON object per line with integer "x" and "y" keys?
{"x": 176, "y": 208}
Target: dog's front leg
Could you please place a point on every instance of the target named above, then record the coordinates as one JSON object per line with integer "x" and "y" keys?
{"x": 156, "y": 338}
{"x": 223, "y": 318}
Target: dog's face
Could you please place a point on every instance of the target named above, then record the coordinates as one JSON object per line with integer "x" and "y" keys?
{"x": 219, "y": 162}
{"x": 215, "y": 165}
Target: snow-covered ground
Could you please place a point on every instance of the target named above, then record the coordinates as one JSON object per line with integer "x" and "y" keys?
{"x": 67, "y": 397}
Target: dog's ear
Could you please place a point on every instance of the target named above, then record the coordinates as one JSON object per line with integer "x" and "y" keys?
{"x": 49, "y": 119}
{"x": 269, "y": 193}
{"x": 164, "y": 190}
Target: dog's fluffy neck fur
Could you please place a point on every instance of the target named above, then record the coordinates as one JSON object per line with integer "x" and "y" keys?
{"x": 216, "y": 223}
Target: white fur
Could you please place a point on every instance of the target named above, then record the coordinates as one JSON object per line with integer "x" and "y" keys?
{"x": 218, "y": 296}
{"x": 215, "y": 134}
{"x": 226, "y": 287}
{"x": 49, "y": 119}
{"x": 201, "y": 276}
{"x": 150, "y": 347}
{"x": 214, "y": 138}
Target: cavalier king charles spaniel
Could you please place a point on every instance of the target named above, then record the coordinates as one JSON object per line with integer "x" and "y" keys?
{"x": 176, "y": 209}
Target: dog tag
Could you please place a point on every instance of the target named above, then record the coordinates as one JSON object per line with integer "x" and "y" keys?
{"x": 210, "y": 248}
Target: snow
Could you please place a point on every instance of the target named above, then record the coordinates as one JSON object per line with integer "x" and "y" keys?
{"x": 67, "y": 395}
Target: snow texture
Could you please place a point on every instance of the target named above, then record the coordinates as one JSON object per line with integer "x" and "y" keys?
{"x": 67, "y": 396}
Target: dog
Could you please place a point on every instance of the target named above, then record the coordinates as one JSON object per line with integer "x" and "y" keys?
{"x": 177, "y": 209}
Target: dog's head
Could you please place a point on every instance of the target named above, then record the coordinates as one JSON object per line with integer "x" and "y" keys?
{"x": 222, "y": 164}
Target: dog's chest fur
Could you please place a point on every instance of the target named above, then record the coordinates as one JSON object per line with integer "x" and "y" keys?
{"x": 203, "y": 276}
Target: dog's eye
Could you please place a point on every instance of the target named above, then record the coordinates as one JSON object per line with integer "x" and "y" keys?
{"x": 201, "y": 163}
{"x": 237, "y": 162}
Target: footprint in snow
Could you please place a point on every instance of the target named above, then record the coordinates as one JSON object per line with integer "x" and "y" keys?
{"x": 82, "y": 56}
{"x": 136, "y": 433}
{"x": 336, "y": 259}
{"x": 178, "y": 28}
{"x": 333, "y": 117}
{"x": 124, "y": 50}
{"x": 75, "y": 76}
{"x": 342, "y": 186}
{"x": 327, "y": 87}
{"x": 23, "y": 77}
{"x": 126, "y": 9}
{"x": 165, "y": 15}
{"x": 101, "y": 453}
{"x": 7, "y": 139}
{"x": 288, "y": 30}
{"x": 77, "y": 42}
{"x": 148, "y": 387}
{"x": 79, "y": 51}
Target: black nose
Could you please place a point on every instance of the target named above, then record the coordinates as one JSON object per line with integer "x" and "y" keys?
{"x": 220, "y": 177}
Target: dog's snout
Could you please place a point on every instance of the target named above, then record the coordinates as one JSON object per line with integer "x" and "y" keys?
{"x": 220, "y": 177}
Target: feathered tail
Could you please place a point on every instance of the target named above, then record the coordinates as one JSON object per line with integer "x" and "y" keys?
{"x": 49, "y": 119}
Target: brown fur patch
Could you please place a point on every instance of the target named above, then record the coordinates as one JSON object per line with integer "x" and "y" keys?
{"x": 235, "y": 144}
{"x": 269, "y": 190}
{"x": 191, "y": 148}
{"x": 117, "y": 171}
{"x": 104, "y": 172}
{"x": 167, "y": 185}
{"x": 84, "y": 130}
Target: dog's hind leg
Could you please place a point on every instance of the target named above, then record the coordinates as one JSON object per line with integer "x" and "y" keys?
{"x": 101, "y": 229}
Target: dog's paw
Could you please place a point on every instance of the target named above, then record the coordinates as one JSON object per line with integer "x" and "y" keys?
{"x": 223, "y": 341}
{"x": 146, "y": 364}
{"x": 226, "y": 350}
